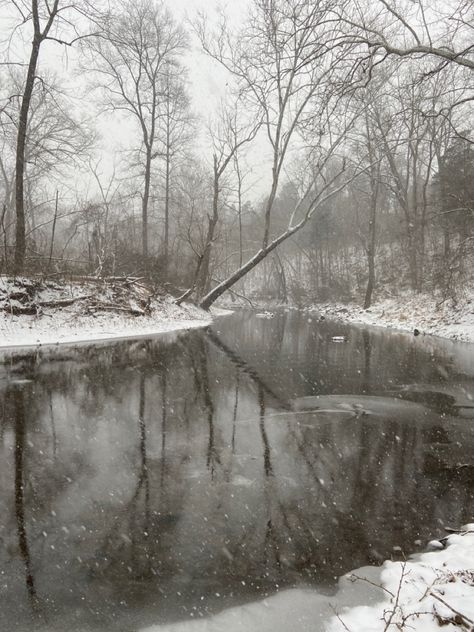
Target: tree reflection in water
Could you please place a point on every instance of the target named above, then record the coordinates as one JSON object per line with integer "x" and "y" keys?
{"x": 166, "y": 472}
{"x": 19, "y": 414}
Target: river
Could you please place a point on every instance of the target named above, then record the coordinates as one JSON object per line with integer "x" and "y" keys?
{"x": 159, "y": 480}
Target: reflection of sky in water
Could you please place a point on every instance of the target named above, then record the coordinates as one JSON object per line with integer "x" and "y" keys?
{"x": 149, "y": 481}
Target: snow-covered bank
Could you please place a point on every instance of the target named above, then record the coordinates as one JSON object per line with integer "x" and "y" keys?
{"x": 432, "y": 590}
{"x": 409, "y": 312}
{"x": 34, "y": 313}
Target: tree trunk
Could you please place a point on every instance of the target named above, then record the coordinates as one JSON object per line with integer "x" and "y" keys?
{"x": 371, "y": 264}
{"x": 53, "y": 230}
{"x": 20, "y": 232}
{"x": 167, "y": 213}
{"x": 268, "y": 208}
{"x": 259, "y": 256}
{"x": 416, "y": 241}
{"x": 239, "y": 207}
{"x": 412, "y": 258}
{"x": 145, "y": 200}
{"x": 202, "y": 278}
{"x": 281, "y": 279}
{"x": 167, "y": 184}
{"x": 374, "y": 189}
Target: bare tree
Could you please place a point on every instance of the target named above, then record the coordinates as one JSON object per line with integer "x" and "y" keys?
{"x": 286, "y": 68}
{"x": 102, "y": 233}
{"x": 405, "y": 134}
{"x": 177, "y": 125}
{"x": 55, "y": 141}
{"x": 326, "y": 180}
{"x": 372, "y": 150}
{"x": 48, "y": 21}
{"x": 441, "y": 30}
{"x": 228, "y": 135}
{"x": 139, "y": 44}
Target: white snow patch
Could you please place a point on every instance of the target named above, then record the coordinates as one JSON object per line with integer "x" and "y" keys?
{"x": 434, "y": 589}
{"x": 74, "y": 324}
{"x": 62, "y": 327}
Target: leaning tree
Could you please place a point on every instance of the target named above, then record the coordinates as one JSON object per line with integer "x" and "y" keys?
{"x": 291, "y": 69}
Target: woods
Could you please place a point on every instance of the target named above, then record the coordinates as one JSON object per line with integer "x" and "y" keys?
{"x": 311, "y": 150}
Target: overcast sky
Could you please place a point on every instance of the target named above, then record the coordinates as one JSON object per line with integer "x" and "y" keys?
{"x": 207, "y": 84}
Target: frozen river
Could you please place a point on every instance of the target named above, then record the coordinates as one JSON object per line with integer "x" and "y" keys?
{"x": 157, "y": 481}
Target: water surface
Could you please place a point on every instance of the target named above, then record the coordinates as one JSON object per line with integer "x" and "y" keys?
{"x": 158, "y": 480}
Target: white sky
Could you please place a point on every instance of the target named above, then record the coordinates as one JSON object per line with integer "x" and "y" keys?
{"x": 207, "y": 86}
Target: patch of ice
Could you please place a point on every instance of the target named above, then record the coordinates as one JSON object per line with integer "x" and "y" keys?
{"x": 304, "y": 610}
{"x": 359, "y": 404}
{"x": 242, "y": 481}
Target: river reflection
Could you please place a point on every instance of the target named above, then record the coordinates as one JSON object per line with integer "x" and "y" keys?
{"x": 157, "y": 480}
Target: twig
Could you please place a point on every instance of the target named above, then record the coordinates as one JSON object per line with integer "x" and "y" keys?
{"x": 64, "y": 302}
{"x": 117, "y": 308}
{"x": 353, "y": 577}
{"x": 243, "y": 297}
{"x": 456, "y": 612}
{"x": 184, "y": 296}
{"x": 339, "y": 618}
{"x": 397, "y": 599}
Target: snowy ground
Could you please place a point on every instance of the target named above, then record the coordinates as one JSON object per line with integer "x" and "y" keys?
{"x": 435, "y": 589}
{"x": 97, "y": 312}
{"x": 411, "y": 311}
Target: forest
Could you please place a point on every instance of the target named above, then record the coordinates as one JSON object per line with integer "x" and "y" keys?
{"x": 298, "y": 150}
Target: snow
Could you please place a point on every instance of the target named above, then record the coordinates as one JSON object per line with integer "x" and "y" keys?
{"x": 75, "y": 323}
{"x": 61, "y": 330}
{"x": 428, "y": 314}
{"x": 434, "y": 589}
{"x": 265, "y": 315}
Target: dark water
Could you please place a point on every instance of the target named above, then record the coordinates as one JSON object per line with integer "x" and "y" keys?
{"x": 152, "y": 481}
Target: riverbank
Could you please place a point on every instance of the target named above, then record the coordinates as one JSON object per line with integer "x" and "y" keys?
{"x": 426, "y": 592}
{"x": 427, "y": 314}
{"x": 37, "y": 313}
